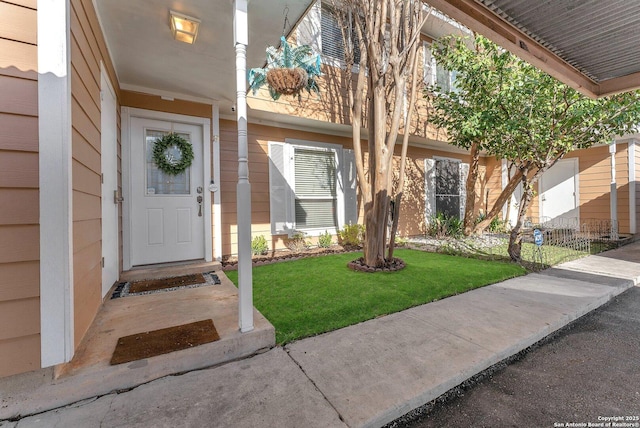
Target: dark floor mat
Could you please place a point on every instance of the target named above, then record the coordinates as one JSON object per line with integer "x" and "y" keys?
{"x": 151, "y": 343}
{"x": 160, "y": 284}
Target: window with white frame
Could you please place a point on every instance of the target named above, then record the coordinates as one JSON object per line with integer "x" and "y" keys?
{"x": 312, "y": 187}
{"x": 315, "y": 188}
{"x": 331, "y": 38}
{"x": 445, "y": 187}
{"x": 435, "y": 74}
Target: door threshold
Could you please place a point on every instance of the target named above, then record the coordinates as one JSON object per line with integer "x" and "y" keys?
{"x": 164, "y": 270}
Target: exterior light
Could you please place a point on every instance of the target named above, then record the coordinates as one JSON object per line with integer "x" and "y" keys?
{"x": 184, "y": 28}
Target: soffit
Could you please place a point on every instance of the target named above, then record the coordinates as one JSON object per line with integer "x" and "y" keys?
{"x": 147, "y": 57}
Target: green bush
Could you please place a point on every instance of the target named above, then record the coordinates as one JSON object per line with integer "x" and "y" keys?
{"x": 259, "y": 246}
{"x": 351, "y": 235}
{"x": 325, "y": 240}
{"x": 297, "y": 243}
{"x": 441, "y": 226}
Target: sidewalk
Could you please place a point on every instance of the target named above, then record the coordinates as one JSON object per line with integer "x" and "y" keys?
{"x": 368, "y": 374}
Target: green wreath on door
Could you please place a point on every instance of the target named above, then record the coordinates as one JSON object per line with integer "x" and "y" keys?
{"x": 165, "y": 161}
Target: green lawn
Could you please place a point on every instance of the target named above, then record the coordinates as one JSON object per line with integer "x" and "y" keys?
{"x": 310, "y": 296}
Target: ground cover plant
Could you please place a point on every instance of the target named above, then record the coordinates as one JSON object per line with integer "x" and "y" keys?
{"x": 306, "y": 297}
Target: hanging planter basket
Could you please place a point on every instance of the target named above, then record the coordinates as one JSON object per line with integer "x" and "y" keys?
{"x": 287, "y": 81}
{"x": 289, "y": 70}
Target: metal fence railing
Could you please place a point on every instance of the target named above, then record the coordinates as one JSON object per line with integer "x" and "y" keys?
{"x": 563, "y": 239}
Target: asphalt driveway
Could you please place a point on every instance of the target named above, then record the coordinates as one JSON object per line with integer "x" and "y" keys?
{"x": 587, "y": 375}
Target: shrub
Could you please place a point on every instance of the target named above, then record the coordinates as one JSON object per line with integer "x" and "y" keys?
{"x": 297, "y": 243}
{"x": 325, "y": 240}
{"x": 441, "y": 226}
{"x": 259, "y": 246}
{"x": 351, "y": 235}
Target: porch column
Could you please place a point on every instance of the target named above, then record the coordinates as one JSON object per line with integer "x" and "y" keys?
{"x": 613, "y": 198}
{"x": 243, "y": 189}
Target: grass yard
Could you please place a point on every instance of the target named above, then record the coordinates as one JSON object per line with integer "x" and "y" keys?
{"x": 306, "y": 297}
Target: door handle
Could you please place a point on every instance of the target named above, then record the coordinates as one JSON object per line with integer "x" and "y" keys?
{"x": 199, "y": 199}
{"x": 117, "y": 198}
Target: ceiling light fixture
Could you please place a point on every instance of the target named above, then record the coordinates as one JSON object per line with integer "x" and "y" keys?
{"x": 184, "y": 28}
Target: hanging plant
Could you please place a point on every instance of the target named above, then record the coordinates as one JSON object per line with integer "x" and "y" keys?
{"x": 288, "y": 71}
{"x": 166, "y": 158}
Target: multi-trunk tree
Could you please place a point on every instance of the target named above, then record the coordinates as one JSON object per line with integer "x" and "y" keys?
{"x": 385, "y": 34}
{"x": 504, "y": 107}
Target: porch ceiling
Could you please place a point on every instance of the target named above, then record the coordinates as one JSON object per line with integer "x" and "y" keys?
{"x": 147, "y": 58}
{"x": 591, "y": 45}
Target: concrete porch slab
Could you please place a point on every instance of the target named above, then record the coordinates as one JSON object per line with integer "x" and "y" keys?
{"x": 89, "y": 373}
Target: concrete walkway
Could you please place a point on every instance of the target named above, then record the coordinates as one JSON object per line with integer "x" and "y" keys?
{"x": 368, "y": 374}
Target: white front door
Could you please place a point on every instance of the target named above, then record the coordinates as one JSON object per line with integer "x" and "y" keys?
{"x": 109, "y": 165}
{"x": 167, "y": 211}
{"x": 558, "y": 195}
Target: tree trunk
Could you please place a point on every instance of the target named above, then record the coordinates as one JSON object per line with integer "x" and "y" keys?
{"x": 515, "y": 237}
{"x": 380, "y": 167}
{"x": 502, "y": 199}
{"x": 472, "y": 178}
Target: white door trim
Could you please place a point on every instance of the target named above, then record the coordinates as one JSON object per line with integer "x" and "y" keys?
{"x": 55, "y": 175}
{"x": 205, "y": 123}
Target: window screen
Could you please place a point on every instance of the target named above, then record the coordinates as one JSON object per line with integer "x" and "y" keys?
{"x": 315, "y": 189}
{"x": 331, "y": 36}
{"x": 448, "y": 188}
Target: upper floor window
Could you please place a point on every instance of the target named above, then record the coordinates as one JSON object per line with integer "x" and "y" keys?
{"x": 332, "y": 41}
{"x": 435, "y": 74}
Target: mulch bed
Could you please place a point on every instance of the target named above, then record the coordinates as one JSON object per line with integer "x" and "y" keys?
{"x": 152, "y": 343}
{"x": 231, "y": 263}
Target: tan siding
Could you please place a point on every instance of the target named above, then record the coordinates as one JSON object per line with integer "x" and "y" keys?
{"x": 19, "y": 243}
{"x": 25, "y": 310}
{"x": 19, "y": 133}
{"x": 19, "y": 96}
{"x": 87, "y": 51}
{"x": 17, "y": 23}
{"x": 23, "y": 209}
{"x": 594, "y": 179}
{"x": 19, "y": 355}
{"x": 155, "y": 103}
{"x": 19, "y": 280}
{"x": 19, "y": 169}
{"x": 19, "y": 196}
{"x": 18, "y": 59}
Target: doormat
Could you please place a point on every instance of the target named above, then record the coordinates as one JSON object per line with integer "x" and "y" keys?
{"x": 152, "y": 343}
{"x": 151, "y": 286}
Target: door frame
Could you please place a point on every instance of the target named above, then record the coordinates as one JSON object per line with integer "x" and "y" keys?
{"x": 106, "y": 90}
{"x": 205, "y": 124}
{"x": 576, "y": 186}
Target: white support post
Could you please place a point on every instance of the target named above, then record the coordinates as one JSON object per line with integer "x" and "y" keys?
{"x": 613, "y": 193}
{"x": 214, "y": 185}
{"x": 632, "y": 187}
{"x": 56, "y": 196}
{"x": 243, "y": 189}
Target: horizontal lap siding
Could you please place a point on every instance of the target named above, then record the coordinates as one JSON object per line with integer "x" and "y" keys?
{"x": 19, "y": 198}
{"x": 595, "y": 178}
{"x": 88, "y": 49}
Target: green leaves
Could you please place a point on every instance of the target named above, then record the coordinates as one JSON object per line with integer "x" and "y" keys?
{"x": 515, "y": 111}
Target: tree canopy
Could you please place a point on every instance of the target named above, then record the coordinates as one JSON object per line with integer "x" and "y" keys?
{"x": 505, "y": 107}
